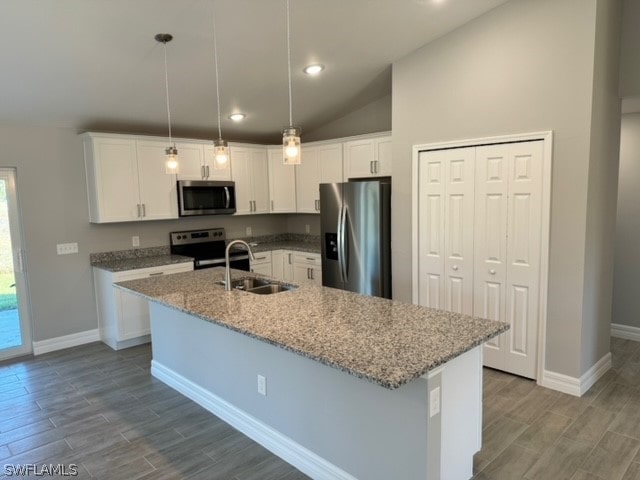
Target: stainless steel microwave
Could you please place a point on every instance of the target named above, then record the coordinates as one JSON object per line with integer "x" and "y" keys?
{"x": 203, "y": 197}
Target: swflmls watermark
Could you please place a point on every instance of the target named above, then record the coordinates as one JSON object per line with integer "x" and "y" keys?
{"x": 40, "y": 470}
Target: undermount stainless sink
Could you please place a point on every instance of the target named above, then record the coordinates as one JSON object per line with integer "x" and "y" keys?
{"x": 260, "y": 286}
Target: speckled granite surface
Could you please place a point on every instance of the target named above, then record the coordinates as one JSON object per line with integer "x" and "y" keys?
{"x": 389, "y": 343}
{"x": 119, "y": 262}
{"x": 286, "y": 241}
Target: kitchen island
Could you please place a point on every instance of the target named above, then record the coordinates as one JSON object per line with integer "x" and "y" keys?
{"x": 356, "y": 387}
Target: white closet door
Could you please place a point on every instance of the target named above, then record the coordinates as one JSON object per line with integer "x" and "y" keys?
{"x": 490, "y": 252}
{"x": 446, "y": 229}
{"x": 510, "y": 177}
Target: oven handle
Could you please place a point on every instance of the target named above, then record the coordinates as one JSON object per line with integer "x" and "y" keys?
{"x": 220, "y": 261}
{"x": 228, "y": 197}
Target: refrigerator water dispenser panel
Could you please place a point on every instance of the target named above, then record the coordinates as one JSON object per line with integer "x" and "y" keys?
{"x": 331, "y": 246}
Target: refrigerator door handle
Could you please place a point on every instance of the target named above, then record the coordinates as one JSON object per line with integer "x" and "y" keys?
{"x": 345, "y": 259}
{"x": 340, "y": 244}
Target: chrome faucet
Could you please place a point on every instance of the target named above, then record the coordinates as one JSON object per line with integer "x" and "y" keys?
{"x": 227, "y": 273}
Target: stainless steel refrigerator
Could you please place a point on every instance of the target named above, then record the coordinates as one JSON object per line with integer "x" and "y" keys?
{"x": 355, "y": 224}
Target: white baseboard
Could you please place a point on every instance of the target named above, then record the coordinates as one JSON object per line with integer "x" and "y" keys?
{"x": 576, "y": 386}
{"x": 66, "y": 341}
{"x": 292, "y": 452}
{"x": 625, "y": 331}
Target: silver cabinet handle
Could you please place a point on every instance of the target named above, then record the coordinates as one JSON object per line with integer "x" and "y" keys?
{"x": 251, "y": 205}
{"x": 138, "y": 206}
{"x": 272, "y": 205}
{"x": 375, "y": 166}
{"x": 227, "y": 197}
{"x": 261, "y": 258}
{"x": 144, "y": 210}
{"x": 371, "y": 166}
{"x": 289, "y": 259}
{"x": 311, "y": 258}
{"x": 202, "y": 171}
{"x": 308, "y": 274}
{"x": 492, "y": 271}
{"x": 311, "y": 274}
{"x": 156, "y": 274}
{"x": 207, "y": 171}
{"x": 455, "y": 267}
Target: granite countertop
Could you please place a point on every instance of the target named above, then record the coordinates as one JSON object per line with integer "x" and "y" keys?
{"x": 384, "y": 341}
{"x": 123, "y": 260}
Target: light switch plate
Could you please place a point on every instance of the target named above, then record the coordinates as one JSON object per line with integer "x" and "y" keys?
{"x": 66, "y": 248}
{"x": 248, "y": 230}
{"x": 135, "y": 241}
{"x": 262, "y": 385}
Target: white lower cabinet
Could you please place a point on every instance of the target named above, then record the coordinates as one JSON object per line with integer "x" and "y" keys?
{"x": 261, "y": 264}
{"x": 307, "y": 268}
{"x": 123, "y": 318}
{"x": 282, "y": 265}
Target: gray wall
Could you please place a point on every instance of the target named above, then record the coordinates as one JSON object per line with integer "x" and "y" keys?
{"x": 602, "y": 186}
{"x": 374, "y": 117}
{"x": 626, "y": 297}
{"x": 525, "y": 66}
{"x": 53, "y": 200}
{"x": 629, "y": 65}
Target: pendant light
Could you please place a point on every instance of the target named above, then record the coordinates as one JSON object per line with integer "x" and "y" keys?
{"x": 171, "y": 162}
{"x": 290, "y": 135}
{"x": 220, "y": 147}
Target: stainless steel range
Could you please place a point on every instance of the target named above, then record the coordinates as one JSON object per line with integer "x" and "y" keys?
{"x": 207, "y": 248}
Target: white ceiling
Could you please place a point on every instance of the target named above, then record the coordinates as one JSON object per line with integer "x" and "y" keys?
{"x": 94, "y": 64}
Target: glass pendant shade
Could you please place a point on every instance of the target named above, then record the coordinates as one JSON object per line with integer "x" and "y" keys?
{"x": 171, "y": 163}
{"x": 291, "y": 146}
{"x": 220, "y": 154}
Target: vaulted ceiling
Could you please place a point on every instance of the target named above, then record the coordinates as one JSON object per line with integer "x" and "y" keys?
{"x": 94, "y": 64}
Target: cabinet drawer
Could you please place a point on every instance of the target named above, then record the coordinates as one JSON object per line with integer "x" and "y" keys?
{"x": 306, "y": 258}
{"x": 262, "y": 257}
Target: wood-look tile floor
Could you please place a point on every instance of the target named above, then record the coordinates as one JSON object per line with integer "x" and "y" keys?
{"x": 101, "y": 410}
{"x": 534, "y": 433}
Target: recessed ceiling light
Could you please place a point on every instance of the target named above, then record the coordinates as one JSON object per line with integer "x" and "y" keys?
{"x": 237, "y": 117}
{"x": 314, "y": 69}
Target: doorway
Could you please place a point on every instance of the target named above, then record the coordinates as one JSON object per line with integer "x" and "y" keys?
{"x": 15, "y": 331}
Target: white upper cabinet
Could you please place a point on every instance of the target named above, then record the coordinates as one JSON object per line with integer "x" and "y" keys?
{"x": 320, "y": 164}
{"x": 282, "y": 183}
{"x": 368, "y": 157}
{"x": 126, "y": 180}
{"x": 250, "y": 172}
{"x": 196, "y": 162}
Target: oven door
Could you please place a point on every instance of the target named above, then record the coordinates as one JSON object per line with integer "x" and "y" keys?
{"x": 200, "y": 197}
{"x": 239, "y": 262}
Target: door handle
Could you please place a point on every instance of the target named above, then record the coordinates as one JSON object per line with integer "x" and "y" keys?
{"x": 202, "y": 171}
{"x": 375, "y": 166}
{"x": 271, "y": 205}
{"x": 138, "y": 206}
{"x": 144, "y": 210}
{"x": 371, "y": 167}
{"x": 308, "y": 275}
{"x": 454, "y": 267}
{"x": 492, "y": 271}
{"x": 207, "y": 171}
{"x": 289, "y": 259}
{"x": 251, "y": 205}
{"x": 227, "y": 197}
{"x": 156, "y": 274}
{"x": 311, "y": 274}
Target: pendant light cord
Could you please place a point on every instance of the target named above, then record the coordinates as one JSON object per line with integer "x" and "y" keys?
{"x": 289, "y": 65}
{"x": 215, "y": 56}
{"x": 166, "y": 83}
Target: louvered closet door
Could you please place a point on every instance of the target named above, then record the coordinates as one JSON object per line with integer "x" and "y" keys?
{"x": 446, "y": 229}
{"x": 507, "y": 250}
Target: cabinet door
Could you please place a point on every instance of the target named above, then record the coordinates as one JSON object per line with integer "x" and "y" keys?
{"x": 282, "y": 184}
{"x": 315, "y": 274}
{"x": 382, "y": 167}
{"x": 241, "y": 174}
{"x": 330, "y": 164}
{"x": 287, "y": 266}
{"x": 260, "y": 180}
{"x": 301, "y": 274}
{"x": 112, "y": 177}
{"x": 211, "y": 172}
{"x": 307, "y": 181}
{"x": 158, "y": 192}
{"x": 359, "y": 158}
{"x": 262, "y": 268}
{"x": 190, "y": 160}
{"x": 277, "y": 264}
{"x": 133, "y": 318}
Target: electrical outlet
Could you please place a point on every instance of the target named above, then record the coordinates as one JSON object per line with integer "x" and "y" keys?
{"x": 248, "y": 231}
{"x": 135, "y": 241}
{"x": 67, "y": 248}
{"x": 434, "y": 402}
{"x": 307, "y": 228}
{"x": 262, "y": 385}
